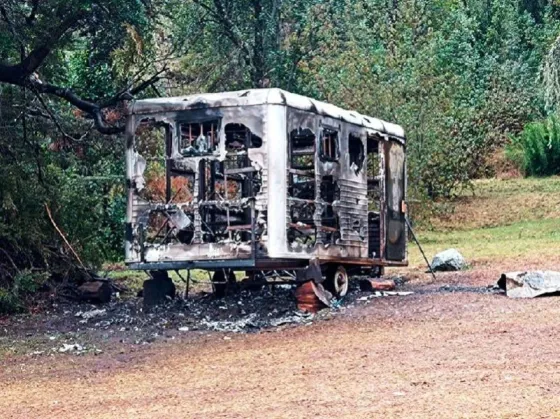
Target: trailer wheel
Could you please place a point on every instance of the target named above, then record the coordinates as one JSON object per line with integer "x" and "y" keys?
{"x": 337, "y": 281}
{"x": 222, "y": 280}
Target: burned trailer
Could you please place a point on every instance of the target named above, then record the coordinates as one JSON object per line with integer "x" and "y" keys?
{"x": 263, "y": 180}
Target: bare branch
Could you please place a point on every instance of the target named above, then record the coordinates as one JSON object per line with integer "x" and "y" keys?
{"x": 129, "y": 92}
{"x": 52, "y": 116}
{"x": 64, "y": 237}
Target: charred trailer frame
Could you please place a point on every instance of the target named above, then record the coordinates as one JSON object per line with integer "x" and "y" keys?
{"x": 260, "y": 180}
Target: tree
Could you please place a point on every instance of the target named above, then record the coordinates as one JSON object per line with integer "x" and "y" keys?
{"x": 33, "y": 31}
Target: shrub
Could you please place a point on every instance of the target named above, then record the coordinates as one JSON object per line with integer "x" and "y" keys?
{"x": 24, "y": 284}
{"x": 536, "y": 150}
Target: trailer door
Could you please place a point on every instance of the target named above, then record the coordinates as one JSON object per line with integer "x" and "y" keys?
{"x": 395, "y": 176}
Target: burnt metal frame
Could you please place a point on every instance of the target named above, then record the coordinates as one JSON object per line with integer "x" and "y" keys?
{"x": 251, "y": 261}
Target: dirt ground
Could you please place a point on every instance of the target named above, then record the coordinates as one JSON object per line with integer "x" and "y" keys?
{"x": 452, "y": 349}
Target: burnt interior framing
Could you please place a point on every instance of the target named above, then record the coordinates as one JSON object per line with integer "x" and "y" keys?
{"x": 197, "y": 188}
{"x": 206, "y": 199}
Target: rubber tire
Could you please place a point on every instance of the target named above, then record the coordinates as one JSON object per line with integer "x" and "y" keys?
{"x": 337, "y": 281}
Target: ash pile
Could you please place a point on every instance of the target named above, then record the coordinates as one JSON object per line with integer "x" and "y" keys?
{"x": 126, "y": 320}
{"x": 79, "y": 328}
{"x": 243, "y": 311}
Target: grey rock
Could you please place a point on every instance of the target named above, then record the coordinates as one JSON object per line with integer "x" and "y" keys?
{"x": 449, "y": 260}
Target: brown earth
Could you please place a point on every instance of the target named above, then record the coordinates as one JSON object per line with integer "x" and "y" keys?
{"x": 435, "y": 353}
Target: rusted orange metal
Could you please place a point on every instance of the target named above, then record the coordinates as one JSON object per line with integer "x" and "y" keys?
{"x": 307, "y": 299}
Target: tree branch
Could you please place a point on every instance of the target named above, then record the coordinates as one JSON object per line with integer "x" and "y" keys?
{"x": 52, "y": 117}
{"x": 18, "y": 73}
{"x": 90, "y": 108}
{"x": 36, "y": 57}
{"x": 129, "y": 91}
{"x": 23, "y": 74}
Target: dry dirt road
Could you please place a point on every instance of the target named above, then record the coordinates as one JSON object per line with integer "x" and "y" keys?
{"x": 432, "y": 354}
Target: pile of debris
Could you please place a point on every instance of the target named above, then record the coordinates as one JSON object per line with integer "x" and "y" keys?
{"x": 79, "y": 327}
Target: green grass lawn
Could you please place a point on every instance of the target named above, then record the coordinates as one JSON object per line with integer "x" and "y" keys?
{"x": 524, "y": 239}
{"x": 503, "y": 219}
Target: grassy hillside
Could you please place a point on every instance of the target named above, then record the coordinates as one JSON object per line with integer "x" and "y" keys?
{"x": 500, "y": 219}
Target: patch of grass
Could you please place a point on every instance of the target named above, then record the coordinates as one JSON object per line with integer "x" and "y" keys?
{"x": 134, "y": 280}
{"x": 503, "y": 202}
{"x": 522, "y": 240}
{"x": 503, "y": 219}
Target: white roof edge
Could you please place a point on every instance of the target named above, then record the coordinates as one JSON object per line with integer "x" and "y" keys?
{"x": 252, "y": 97}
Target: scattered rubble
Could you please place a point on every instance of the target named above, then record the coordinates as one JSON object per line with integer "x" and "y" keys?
{"x": 530, "y": 284}
{"x": 73, "y": 347}
{"x": 448, "y": 260}
{"x": 126, "y": 321}
{"x": 378, "y": 294}
{"x": 91, "y": 314}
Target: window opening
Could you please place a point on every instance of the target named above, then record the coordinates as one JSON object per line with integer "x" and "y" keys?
{"x": 302, "y": 187}
{"x": 223, "y": 187}
{"x": 356, "y": 153}
{"x": 199, "y": 138}
{"x": 239, "y": 137}
{"x": 168, "y": 190}
{"x": 330, "y": 226}
{"x": 329, "y": 149}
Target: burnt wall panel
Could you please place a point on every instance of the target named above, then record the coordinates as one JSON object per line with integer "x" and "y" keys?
{"x": 215, "y": 167}
{"x": 339, "y": 225}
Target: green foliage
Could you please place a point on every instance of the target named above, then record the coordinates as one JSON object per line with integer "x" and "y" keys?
{"x": 537, "y": 149}
{"x": 49, "y": 155}
{"x": 461, "y": 77}
{"x": 458, "y": 77}
{"x": 24, "y": 284}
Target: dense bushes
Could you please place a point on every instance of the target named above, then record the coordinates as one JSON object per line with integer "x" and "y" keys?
{"x": 536, "y": 150}
{"x": 81, "y": 183}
